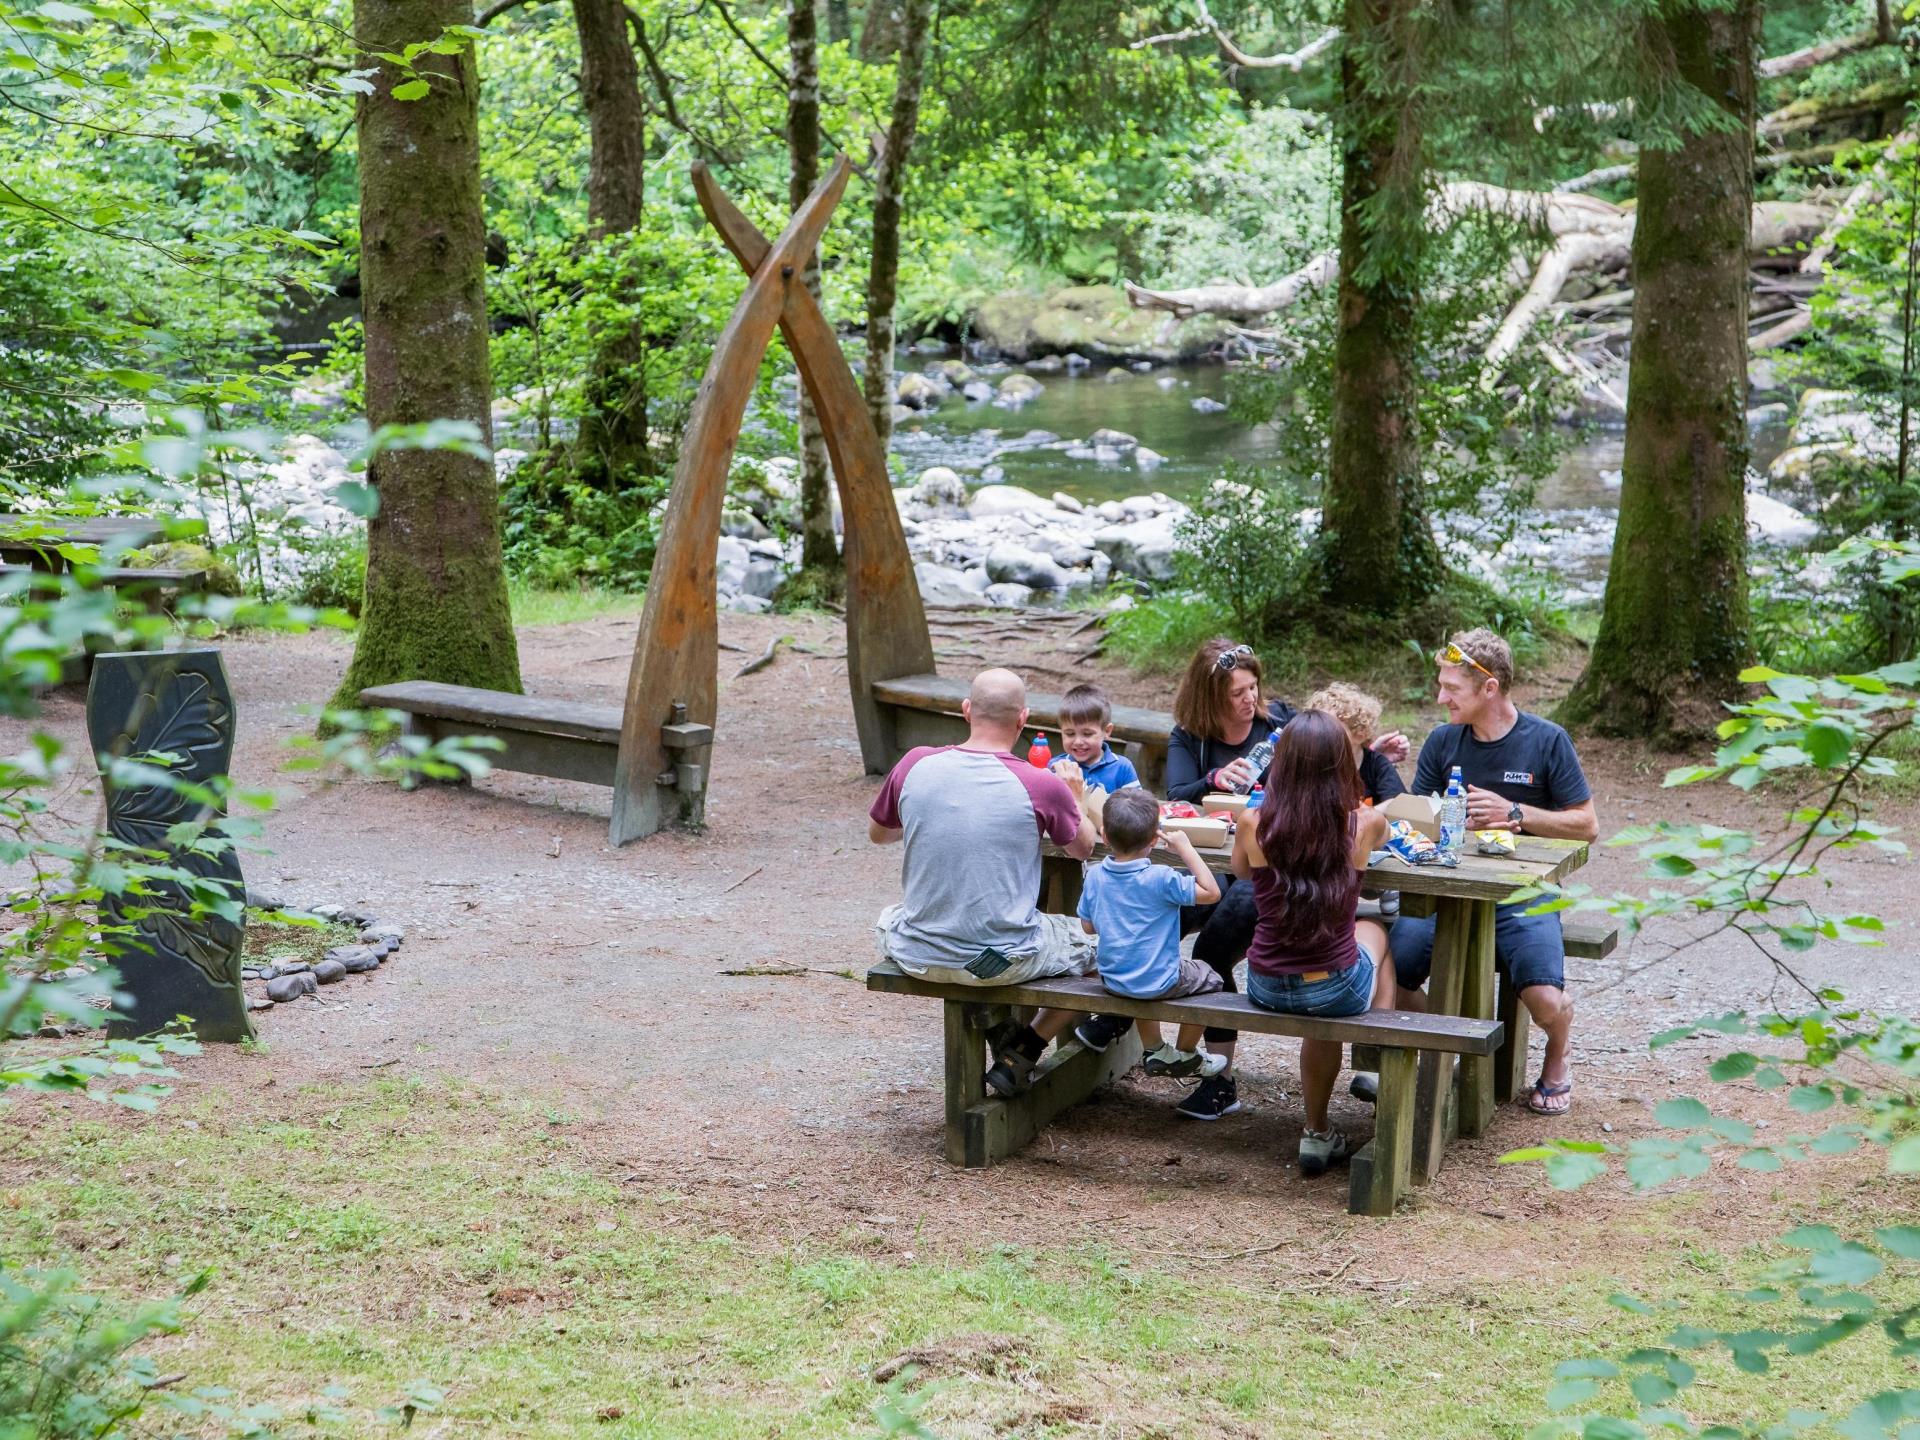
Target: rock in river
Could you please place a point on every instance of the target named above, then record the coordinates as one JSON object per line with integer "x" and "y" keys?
{"x": 1141, "y": 548}
{"x": 1007, "y": 500}
{"x": 1017, "y": 565}
{"x": 1016, "y": 390}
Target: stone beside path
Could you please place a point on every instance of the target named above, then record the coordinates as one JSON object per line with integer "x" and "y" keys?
{"x": 288, "y": 980}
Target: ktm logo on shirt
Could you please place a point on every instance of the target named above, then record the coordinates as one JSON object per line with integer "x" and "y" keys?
{"x": 1518, "y": 777}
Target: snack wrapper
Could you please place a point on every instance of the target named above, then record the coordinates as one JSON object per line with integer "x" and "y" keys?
{"x": 1179, "y": 810}
{"x": 1494, "y": 842}
{"x": 1407, "y": 844}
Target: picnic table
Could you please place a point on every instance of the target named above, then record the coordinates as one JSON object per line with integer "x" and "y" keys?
{"x": 30, "y": 539}
{"x": 1462, "y": 983}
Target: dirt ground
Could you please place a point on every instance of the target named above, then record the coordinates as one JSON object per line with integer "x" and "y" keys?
{"x": 783, "y": 1108}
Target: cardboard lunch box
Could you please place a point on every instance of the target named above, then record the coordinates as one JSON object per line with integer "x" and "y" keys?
{"x": 1422, "y": 812}
{"x": 1234, "y": 805}
{"x": 1201, "y": 830}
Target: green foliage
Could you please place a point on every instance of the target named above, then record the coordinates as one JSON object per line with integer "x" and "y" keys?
{"x": 1247, "y": 548}
{"x": 1866, "y": 321}
{"x": 1485, "y": 448}
{"x": 1852, "y": 1073}
{"x": 334, "y": 574}
{"x": 70, "y": 1370}
{"x": 560, "y": 532}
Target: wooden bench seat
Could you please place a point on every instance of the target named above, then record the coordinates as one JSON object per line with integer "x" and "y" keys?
{"x": 1589, "y": 936}
{"x": 983, "y": 1129}
{"x": 563, "y": 739}
{"x": 925, "y": 710}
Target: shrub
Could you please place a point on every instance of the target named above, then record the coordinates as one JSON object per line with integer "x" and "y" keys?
{"x": 1248, "y": 548}
{"x": 333, "y": 574}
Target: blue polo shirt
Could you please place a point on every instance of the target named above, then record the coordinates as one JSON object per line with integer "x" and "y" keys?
{"x": 1110, "y": 772}
{"x": 1135, "y": 909}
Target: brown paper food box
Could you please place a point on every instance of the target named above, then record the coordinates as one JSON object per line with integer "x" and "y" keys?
{"x": 1422, "y": 812}
{"x": 1234, "y": 805}
{"x": 1093, "y": 805}
{"x": 1203, "y": 832}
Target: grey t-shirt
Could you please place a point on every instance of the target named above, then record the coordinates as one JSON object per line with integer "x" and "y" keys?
{"x": 971, "y": 876}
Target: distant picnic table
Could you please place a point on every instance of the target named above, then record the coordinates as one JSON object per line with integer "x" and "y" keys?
{"x": 31, "y": 539}
{"x": 1462, "y": 898}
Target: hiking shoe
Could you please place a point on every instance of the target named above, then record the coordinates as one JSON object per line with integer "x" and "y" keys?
{"x": 1001, "y": 1037}
{"x": 1211, "y": 1099}
{"x": 1184, "y": 1064}
{"x": 1008, "y": 1077}
{"x": 1365, "y": 1085}
{"x": 1097, "y": 1032}
{"x": 1318, "y": 1151}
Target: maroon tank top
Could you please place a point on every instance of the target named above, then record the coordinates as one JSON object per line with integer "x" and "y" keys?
{"x": 1324, "y": 942}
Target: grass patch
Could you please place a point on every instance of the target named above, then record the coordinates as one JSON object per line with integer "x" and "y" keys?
{"x": 534, "y": 605}
{"x": 276, "y": 942}
{"x": 373, "y": 1236}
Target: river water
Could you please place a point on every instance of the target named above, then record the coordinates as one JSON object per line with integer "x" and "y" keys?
{"x": 1570, "y": 534}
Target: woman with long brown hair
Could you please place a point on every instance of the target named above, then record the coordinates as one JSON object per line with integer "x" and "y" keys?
{"x": 1303, "y": 858}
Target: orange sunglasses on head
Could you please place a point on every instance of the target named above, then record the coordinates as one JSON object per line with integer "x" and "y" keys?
{"x": 1452, "y": 654}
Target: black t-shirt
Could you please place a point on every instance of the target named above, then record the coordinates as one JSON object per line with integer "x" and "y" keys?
{"x": 1532, "y": 764}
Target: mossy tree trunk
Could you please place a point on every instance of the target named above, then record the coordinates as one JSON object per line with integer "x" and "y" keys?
{"x": 436, "y": 595}
{"x": 1674, "y": 630}
{"x": 889, "y": 197}
{"x": 818, "y": 552}
{"x": 1379, "y": 551}
{"x": 612, "y": 449}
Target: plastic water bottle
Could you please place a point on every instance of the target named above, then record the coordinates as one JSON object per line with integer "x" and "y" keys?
{"x": 1453, "y": 817}
{"x": 1258, "y": 759}
{"x": 1255, "y": 796}
{"x": 1040, "y": 754}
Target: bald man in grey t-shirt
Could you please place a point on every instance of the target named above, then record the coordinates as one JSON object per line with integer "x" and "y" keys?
{"x": 972, "y": 816}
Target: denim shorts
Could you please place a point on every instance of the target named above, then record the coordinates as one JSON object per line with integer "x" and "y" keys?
{"x": 1529, "y": 949}
{"x": 1345, "y": 992}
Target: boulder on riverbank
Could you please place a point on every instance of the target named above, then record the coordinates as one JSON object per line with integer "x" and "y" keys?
{"x": 1089, "y": 320}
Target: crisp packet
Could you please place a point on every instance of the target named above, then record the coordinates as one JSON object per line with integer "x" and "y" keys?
{"x": 1494, "y": 842}
{"x": 1409, "y": 845}
{"x": 1179, "y": 810}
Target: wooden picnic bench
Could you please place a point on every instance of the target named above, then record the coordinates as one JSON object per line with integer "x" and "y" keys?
{"x": 539, "y": 735}
{"x": 1463, "y": 978}
{"x": 925, "y": 710}
{"x": 983, "y": 1129}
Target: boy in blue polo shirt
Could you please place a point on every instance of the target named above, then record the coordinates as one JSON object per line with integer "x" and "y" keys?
{"x": 1086, "y": 724}
{"x": 1133, "y": 905}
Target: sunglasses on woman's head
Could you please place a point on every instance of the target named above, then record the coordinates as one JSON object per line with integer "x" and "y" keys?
{"x": 1227, "y": 659}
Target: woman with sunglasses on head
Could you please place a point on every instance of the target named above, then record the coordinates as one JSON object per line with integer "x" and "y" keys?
{"x": 1220, "y": 717}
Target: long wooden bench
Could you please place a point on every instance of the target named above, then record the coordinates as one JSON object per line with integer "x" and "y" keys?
{"x": 925, "y": 710}
{"x": 562, "y": 739}
{"x": 983, "y": 1129}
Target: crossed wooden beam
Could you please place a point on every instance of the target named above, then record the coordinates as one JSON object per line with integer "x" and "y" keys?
{"x": 671, "y": 687}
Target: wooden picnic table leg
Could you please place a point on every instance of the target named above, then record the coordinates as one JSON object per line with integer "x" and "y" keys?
{"x": 1061, "y": 879}
{"x": 966, "y": 1081}
{"x": 1476, "y": 1002}
{"x": 1433, "y": 1094}
{"x": 1510, "y": 1065}
{"x": 1381, "y": 1170}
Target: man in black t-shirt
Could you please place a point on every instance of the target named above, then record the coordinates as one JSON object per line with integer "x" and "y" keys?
{"x": 1521, "y": 774}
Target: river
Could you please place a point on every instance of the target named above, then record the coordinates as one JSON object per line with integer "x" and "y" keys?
{"x": 1570, "y": 534}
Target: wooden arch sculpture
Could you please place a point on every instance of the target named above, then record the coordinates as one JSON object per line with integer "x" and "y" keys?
{"x": 671, "y": 689}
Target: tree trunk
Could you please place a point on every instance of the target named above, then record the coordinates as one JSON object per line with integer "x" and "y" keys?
{"x": 817, "y": 550}
{"x": 881, "y": 33}
{"x": 839, "y": 22}
{"x": 436, "y": 596}
{"x": 889, "y": 185}
{"x": 1674, "y": 632}
{"x": 612, "y": 446}
{"x": 1379, "y": 551}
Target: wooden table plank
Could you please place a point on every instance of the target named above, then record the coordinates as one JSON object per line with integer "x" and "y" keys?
{"x": 1477, "y": 877}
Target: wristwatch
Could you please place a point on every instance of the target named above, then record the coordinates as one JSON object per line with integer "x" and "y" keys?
{"x": 1514, "y": 816}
